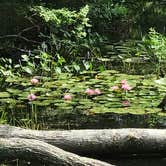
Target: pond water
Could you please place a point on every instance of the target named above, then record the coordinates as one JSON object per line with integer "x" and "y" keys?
{"x": 142, "y": 98}
{"x": 119, "y": 162}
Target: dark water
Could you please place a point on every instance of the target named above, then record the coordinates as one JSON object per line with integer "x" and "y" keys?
{"x": 141, "y": 162}
{"x": 105, "y": 121}
{"x": 117, "y": 162}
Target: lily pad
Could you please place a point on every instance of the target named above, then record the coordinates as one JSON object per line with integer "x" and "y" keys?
{"x": 4, "y": 95}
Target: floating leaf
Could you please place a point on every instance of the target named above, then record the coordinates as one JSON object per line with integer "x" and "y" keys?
{"x": 4, "y": 94}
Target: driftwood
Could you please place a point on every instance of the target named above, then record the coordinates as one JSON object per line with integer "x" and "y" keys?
{"x": 30, "y": 149}
{"x": 106, "y": 142}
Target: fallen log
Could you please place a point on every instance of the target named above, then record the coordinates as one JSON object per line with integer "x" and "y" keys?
{"x": 106, "y": 142}
{"x": 30, "y": 149}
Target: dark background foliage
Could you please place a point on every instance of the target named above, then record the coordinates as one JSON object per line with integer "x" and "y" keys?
{"x": 111, "y": 20}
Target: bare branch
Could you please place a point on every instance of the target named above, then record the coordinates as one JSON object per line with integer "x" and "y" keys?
{"x": 20, "y": 37}
{"x": 27, "y": 29}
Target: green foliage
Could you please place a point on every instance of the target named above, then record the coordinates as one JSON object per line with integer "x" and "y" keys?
{"x": 156, "y": 45}
{"x": 6, "y": 68}
{"x": 67, "y": 29}
{"x": 64, "y": 20}
{"x": 103, "y": 13}
{"x": 3, "y": 117}
{"x": 43, "y": 64}
{"x": 50, "y": 96}
{"x": 66, "y": 37}
{"x": 145, "y": 14}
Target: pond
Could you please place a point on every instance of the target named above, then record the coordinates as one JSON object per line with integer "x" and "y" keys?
{"x": 72, "y": 101}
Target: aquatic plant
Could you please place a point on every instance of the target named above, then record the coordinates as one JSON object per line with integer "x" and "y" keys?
{"x": 97, "y": 91}
{"x": 123, "y": 86}
{"x": 125, "y": 103}
{"x": 120, "y": 91}
{"x": 115, "y": 88}
{"x": 90, "y": 91}
{"x": 31, "y": 97}
{"x": 126, "y": 87}
{"x": 66, "y": 93}
{"x": 93, "y": 91}
{"x": 67, "y": 97}
{"x": 34, "y": 81}
{"x": 123, "y": 82}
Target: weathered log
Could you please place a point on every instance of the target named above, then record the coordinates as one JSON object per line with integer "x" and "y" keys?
{"x": 107, "y": 142}
{"x": 30, "y": 149}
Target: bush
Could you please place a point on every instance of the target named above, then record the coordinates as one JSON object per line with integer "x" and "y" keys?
{"x": 65, "y": 32}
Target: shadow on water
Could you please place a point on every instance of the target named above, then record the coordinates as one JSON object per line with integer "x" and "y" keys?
{"x": 140, "y": 162}
{"x": 118, "y": 162}
{"x": 105, "y": 121}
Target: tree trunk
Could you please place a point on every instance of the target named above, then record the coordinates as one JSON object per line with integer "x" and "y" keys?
{"x": 30, "y": 149}
{"x": 107, "y": 142}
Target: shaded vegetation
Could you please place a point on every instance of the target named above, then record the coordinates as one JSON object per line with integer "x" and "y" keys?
{"x": 72, "y": 49}
{"x": 82, "y": 64}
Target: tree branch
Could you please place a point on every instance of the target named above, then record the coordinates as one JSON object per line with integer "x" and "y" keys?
{"x": 27, "y": 29}
{"x": 20, "y": 37}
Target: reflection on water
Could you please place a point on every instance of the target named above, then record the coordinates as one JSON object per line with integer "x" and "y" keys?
{"x": 140, "y": 162}
{"x": 118, "y": 162}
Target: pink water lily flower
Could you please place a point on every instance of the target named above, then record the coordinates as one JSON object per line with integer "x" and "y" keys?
{"x": 126, "y": 87}
{"x": 97, "y": 91}
{"x": 67, "y": 97}
{"x": 125, "y": 103}
{"x": 90, "y": 91}
{"x": 34, "y": 81}
{"x": 31, "y": 97}
{"x": 114, "y": 88}
{"x": 123, "y": 82}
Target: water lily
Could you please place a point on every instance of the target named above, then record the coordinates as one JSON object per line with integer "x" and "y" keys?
{"x": 114, "y": 88}
{"x": 34, "y": 81}
{"x": 67, "y": 97}
{"x": 126, "y": 103}
{"x": 90, "y": 91}
{"x": 123, "y": 82}
{"x": 31, "y": 97}
{"x": 126, "y": 87}
{"x": 97, "y": 91}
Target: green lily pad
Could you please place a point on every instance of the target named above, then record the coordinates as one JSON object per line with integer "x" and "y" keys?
{"x": 8, "y": 100}
{"x": 43, "y": 103}
{"x": 13, "y": 91}
{"x": 4, "y": 95}
{"x": 161, "y": 81}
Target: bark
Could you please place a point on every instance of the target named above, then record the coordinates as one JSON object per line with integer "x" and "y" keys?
{"x": 106, "y": 142}
{"x": 30, "y": 149}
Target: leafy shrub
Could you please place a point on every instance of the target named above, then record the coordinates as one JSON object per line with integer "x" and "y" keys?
{"x": 156, "y": 45}
{"x": 66, "y": 31}
{"x": 103, "y": 14}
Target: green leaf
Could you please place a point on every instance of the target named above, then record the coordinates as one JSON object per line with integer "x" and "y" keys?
{"x": 4, "y": 94}
{"x": 27, "y": 70}
{"x": 25, "y": 58}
